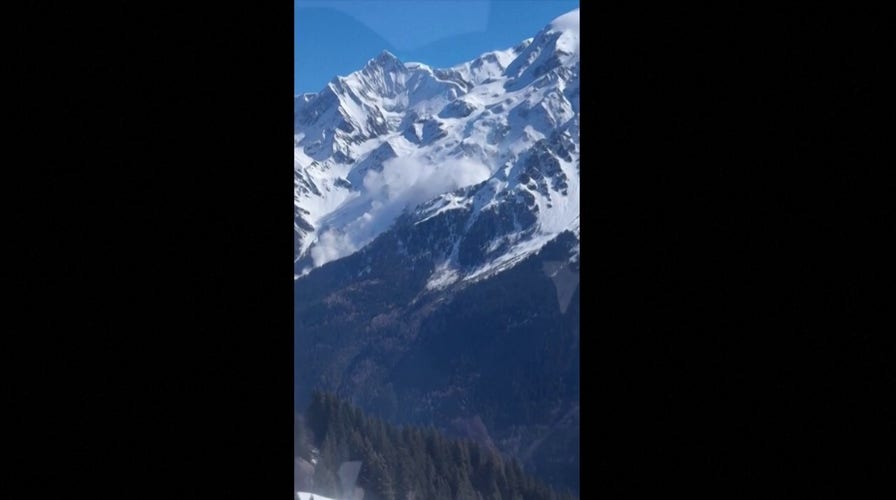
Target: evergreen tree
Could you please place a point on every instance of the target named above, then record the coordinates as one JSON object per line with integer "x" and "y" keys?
{"x": 317, "y": 418}
{"x": 300, "y": 438}
{"x": 463, "y": 488}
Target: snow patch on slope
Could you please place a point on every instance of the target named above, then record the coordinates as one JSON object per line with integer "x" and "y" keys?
{"x": 443, "y": 277}
{"x": 304, "y": 495}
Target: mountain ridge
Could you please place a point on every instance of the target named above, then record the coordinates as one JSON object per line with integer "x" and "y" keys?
{"x": 447, "y": 129}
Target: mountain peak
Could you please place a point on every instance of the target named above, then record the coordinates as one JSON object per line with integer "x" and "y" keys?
{"x": 566, "y": 22}
{"x": 386, "y": 57}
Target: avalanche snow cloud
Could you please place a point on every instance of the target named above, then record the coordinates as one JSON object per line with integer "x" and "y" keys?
{"x": 402, "y": 184}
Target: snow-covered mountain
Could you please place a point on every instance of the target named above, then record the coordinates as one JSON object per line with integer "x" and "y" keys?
{"x": 486, "y": 153}
{"x": 437, "y": 246}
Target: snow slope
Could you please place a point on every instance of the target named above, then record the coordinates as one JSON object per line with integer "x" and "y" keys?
{"x": 491, "y": 144}
{"x": 304, "y": 495}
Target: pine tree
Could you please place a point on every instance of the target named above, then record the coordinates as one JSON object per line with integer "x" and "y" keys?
{"x": 317, "y": 418}
{"x": 463, "y": 488}
{"x": 403, "y": 474}
{"x": 494, "y": 492}
{"x": 300, "y": 439}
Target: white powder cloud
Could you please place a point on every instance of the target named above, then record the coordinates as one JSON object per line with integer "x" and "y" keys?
{"x": 403, "y": 184}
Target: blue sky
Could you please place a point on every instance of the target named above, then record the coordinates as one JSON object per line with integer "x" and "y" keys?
{"x": 336, "y": 37}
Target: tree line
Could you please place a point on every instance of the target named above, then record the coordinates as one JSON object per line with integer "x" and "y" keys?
{"x": 407, "y": 463}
